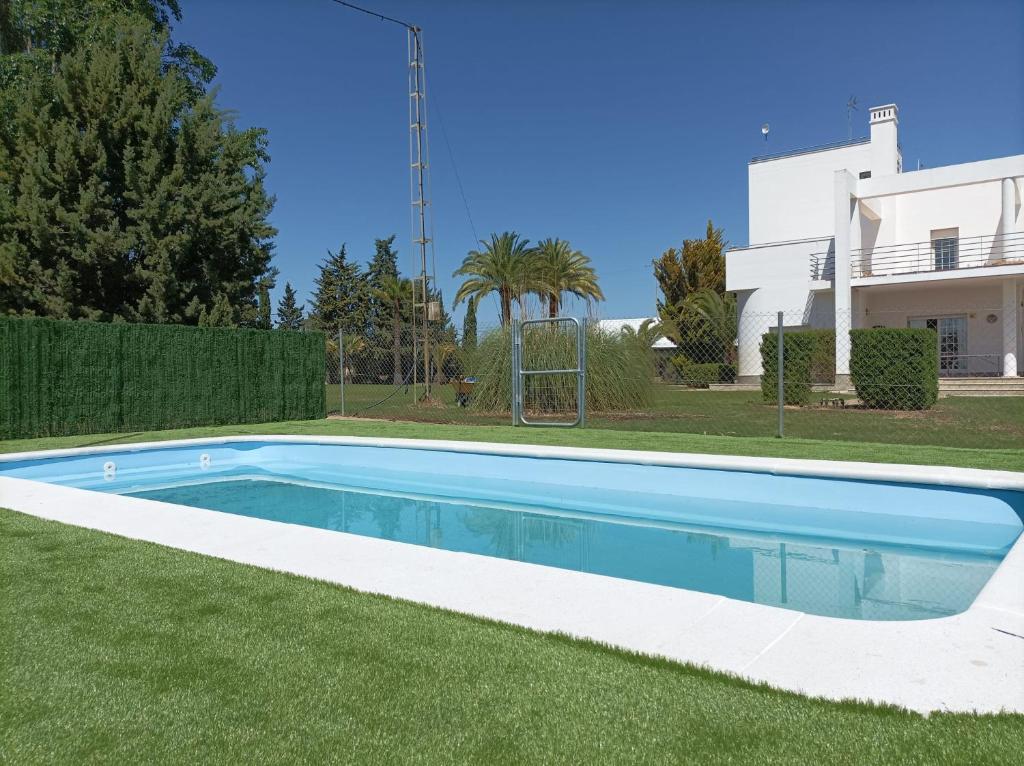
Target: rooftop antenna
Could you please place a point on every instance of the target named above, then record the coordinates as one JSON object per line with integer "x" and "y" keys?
{"x": 764, "y": 131}
{"x": 419, "y": 188}
{"x": 851, "y": 107}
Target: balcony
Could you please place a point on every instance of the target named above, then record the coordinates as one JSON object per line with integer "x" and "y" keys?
{"x": 938, "y": 255}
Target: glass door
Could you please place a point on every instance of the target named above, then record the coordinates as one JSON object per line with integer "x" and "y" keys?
{"x": 952, "y": 342}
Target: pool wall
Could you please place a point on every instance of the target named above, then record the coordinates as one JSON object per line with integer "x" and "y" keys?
{"x": 954, "y": 518}
{"x": 971, "y": 661}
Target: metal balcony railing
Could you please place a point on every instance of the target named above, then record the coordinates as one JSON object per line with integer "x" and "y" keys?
{"x": 944, "y": 254}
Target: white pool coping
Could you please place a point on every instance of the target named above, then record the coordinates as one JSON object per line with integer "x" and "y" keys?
{"x": 973, "y": 661}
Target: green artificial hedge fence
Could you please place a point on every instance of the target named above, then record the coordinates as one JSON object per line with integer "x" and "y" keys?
{"x": 60, "y": 378}
{"x": 799, "y": 349}
{"x": 895, "y": 368}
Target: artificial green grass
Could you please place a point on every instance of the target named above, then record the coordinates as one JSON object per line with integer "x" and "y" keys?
{"x": 121, "y": 651}
{"x": 999, "y": 459}
{"x": 976, "y": 422}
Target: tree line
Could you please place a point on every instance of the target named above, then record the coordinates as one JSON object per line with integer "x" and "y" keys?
{"x": 372, "y": 309}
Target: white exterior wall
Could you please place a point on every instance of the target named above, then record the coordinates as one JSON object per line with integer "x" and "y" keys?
{"x": 768, "y": 280}
{"x": 893, "y": 307}
{"x": 912, "y": 217}
{"x": 791, "y": 197}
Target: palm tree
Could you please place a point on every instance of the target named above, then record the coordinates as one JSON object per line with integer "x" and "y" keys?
{"x": 719, "y": 311}
{"x": 395, "y": 292}
{"x": 564, "y": 270}
{"x": 505, "y": 265}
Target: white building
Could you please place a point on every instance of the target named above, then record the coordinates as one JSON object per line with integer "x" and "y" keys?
{"x": 841, "y": 237}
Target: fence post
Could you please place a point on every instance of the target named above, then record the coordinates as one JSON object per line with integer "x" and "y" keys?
{"x": 780, "y": 370}
{"x": 581, "y": 362}
{"x": 341, "y": 368}
{"x": 516, "y": 372}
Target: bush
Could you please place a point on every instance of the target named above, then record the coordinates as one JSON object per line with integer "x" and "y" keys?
{"x": 620, "y": 371}
{"x": 799, "y": 349}
{"x": 895, "y": 368}
{"x": 703, "y": 375}
{"x": 823, "y": 357}
{"x": 59, "y": 378}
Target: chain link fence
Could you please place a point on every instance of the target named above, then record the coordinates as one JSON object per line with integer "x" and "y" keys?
{"x": 903, "y": 373}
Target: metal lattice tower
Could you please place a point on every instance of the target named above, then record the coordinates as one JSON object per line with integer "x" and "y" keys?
{"x": 419, "y": 189}
{"x": 419, "y": 192}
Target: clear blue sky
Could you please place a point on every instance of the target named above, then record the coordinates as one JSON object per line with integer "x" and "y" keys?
{"x": 621, "y": 126}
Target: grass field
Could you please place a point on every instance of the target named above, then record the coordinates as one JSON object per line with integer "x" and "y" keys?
{"x": 121, "y": 651}
{"x": 985, "y": 422}
{"x": 1006, "y": 458}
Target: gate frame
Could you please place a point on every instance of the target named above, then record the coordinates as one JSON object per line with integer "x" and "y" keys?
{"x": 580, "y": 371}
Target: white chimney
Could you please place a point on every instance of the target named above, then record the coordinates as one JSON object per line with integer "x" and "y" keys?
{"x": 885, "y": 146}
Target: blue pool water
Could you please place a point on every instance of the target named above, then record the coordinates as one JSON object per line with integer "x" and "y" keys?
{"x": 851, "y": 549}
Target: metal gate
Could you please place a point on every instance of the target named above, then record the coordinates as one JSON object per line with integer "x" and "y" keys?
{"x": 521, "y": 378}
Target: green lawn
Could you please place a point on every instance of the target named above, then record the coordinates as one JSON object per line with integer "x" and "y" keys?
{"x": 1003, "y": 459}
{"x": 984, "y": 422}
{"x": 120, "y": 651}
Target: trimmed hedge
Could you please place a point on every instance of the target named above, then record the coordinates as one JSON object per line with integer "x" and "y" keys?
{"x": 895, "y": 368}
{"x": 60, "y": 378}
{"x": 823, "y": 358}
{"x": 799, "y": 350}
{"x": 702, "y": 375}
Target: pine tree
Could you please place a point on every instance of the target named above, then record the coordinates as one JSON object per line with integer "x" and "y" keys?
{"x": 125, "y": 193}
{"x": 289, "y": 313}
{"x": 384, "y": 263}
{"x": 341, "y": 298}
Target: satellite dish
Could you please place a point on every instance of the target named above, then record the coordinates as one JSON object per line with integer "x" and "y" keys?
{"x": 764, "y": 130}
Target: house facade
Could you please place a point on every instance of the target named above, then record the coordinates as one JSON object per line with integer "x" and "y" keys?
{"x": 841, "y": 237}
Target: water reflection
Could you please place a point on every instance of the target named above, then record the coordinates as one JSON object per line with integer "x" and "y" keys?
{"x": 835, "y": 580}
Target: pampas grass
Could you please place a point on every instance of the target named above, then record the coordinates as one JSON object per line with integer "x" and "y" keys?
{"x": 620, "y": 371}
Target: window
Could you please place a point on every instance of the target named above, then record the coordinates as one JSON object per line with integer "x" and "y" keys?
{"x": 865, "y": 174}
{"x": 945, "y": 249}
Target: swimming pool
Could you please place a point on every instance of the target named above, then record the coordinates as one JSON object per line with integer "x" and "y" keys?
{"x": 855, "y": 549}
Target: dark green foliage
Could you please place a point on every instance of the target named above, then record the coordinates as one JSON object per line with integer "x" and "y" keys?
{"x": 469, "y": 326}
{"x": 799, "y": 349}
{"x": 289, "y": 313}
{"x": 895, "y": 368}
{"x": 62, "y": 378}
{"x": 221, "y": 314}
{"x": 381, "y": 270}
{"x": 125, "y": 193}
{"x": 823, "y": 359}
{"x": 263, "y": 320}
{"x": 702, "y": 375}
{"x": 341, "y": 300}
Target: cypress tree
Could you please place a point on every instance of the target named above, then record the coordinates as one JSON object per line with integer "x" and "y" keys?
{"x": 469, "y": 326}
{"x": 263, "y": 320}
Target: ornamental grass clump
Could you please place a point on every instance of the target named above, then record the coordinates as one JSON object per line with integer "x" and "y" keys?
{"x": 619, "y": 371}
